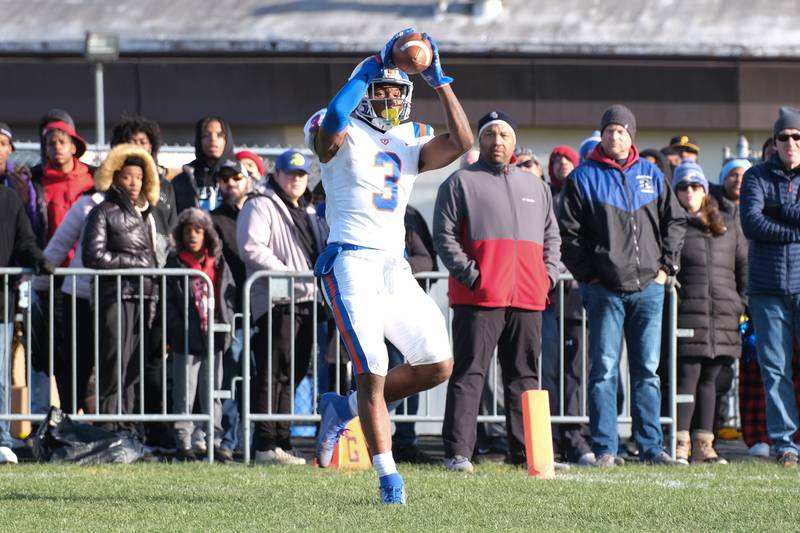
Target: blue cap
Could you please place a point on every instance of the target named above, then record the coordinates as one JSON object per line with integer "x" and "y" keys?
{"x": 292, "y": 161}
{"x": 689, "y": 172}
{"x": 732, "y": 164}
{"x": 588, "y": 144}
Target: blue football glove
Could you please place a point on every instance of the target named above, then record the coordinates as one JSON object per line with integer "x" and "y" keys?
{"x": 434, "y": 74}
{"x": 386, "y": 54}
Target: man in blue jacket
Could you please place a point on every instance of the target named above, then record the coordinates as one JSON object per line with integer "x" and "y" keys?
{"x": 622, "y": 230}
{"x": 770, "y": 213}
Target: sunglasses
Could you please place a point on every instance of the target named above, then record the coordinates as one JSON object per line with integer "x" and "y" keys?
{"x": 784, "y": 137}
{"x": 226, "y": 177}
{"x": 687, "y": 186}
{"x": 526, "y": 164}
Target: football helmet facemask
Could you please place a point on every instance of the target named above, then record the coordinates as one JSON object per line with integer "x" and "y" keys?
{"x": 390, "y": 116}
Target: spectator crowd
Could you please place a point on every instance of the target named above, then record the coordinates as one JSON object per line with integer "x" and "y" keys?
{"x": 628, "y": 223}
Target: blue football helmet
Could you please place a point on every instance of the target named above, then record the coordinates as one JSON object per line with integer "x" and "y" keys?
{"x": 389, "y": 117}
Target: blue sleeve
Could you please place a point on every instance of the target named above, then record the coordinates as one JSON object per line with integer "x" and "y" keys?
{"x": 755, "y": 225}
{"x": 349, "y": 96}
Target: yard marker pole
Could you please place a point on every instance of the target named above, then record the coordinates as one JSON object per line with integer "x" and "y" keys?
{"x": 538, "y": 434}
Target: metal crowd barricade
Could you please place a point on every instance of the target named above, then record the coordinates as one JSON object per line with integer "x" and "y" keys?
{"x": 672, "y": 398}
{"x": 427, "y": 414}
{"x": 70, "y": 275}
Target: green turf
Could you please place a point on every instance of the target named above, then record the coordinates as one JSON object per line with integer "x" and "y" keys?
{"x": 750, "y": 496}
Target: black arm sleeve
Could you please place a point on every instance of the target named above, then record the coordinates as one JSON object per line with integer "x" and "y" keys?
{"x": 576, "y": 250}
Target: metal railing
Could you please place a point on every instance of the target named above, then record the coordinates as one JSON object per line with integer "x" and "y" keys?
{"x": 283, "y": 293}
{"x": 70, "y": 276}
{"x": 427, "y": 415}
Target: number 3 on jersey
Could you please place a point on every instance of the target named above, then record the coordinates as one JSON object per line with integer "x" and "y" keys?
{"x": 390, "y": 163}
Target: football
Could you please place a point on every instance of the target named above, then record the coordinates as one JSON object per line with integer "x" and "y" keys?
{"x": 412, "y": 53}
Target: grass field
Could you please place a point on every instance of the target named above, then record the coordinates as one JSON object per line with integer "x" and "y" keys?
{"x": 749, "y": 496}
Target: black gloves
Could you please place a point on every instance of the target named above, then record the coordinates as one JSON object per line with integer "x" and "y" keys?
{"x": 44, "y": 268}
{"x": 772, "y": 210}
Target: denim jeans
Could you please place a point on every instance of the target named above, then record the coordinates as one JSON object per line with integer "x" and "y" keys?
{"x": 776, "y": 320}
{"x": 231, "y": 368}
{"x": 6, "y": 335}
{"x": 638, "y": 316}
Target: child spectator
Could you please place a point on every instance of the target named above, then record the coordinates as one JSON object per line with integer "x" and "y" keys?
{"x": 197, "y": 246}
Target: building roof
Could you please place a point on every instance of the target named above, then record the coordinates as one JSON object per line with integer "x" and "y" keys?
{"x": 682, "y": 28}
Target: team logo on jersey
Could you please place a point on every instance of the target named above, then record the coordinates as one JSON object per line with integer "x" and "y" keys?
{"x": 314, "y": 125}
{"x": 646, "y": 184}
{"x": 384, "y": 141}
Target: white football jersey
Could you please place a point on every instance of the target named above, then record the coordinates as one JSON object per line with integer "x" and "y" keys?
{"x": 368, "y": 182}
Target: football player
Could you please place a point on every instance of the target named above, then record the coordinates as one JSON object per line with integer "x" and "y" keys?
{"x": 370, "y": 156}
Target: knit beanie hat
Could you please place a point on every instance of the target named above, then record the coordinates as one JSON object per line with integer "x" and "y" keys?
{"x": 497, "y": 117}
{"x": 247, "y": 154}
{"x": 689, "y": 172}
{"x": 732, "y": 164}
{"x": 619, "y": 114}
{"x": 788, "y": 118}
{"x": 588, "y": 144}
{"x": 565, "y": 151}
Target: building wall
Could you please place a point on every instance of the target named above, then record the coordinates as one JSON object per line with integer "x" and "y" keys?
{"x": 276, "y": 91}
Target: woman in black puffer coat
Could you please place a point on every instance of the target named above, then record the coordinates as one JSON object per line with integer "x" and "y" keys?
{"x": 120, "y": 233}
{"x": 711, "y": 298}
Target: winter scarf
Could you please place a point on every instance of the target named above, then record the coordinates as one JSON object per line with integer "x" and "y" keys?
{"x": 199, "y": 286}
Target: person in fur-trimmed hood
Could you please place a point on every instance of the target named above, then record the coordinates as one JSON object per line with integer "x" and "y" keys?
{"x": 196, "y": 245}
{"x": 120, "y": 233}
{"x": 120, "y": 230}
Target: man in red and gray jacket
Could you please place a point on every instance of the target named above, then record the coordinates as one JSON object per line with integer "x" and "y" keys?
{"x": 496, "y": 233}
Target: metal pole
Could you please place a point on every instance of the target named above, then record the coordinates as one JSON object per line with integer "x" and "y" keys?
{"x": 211, "y": 368}
{"x": 28, "y": 334}
{"x": 51, "y": 341}
{"x": 246, "y": 368}
{"x": 96, "y": 343}
{"x": 163, "y": 345}
{"x": 8, "y": 330}
{"x": 74, "y": 344}
{"x": 100, "y": 112}
{"x": 673, "y": 374}
{"x": 561, "y": 334}
{"x": 119, "y": 345}
{"x": 141, "y": 345}
{"x": 292, "y": 321}
{"x": 314, "y": 343}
